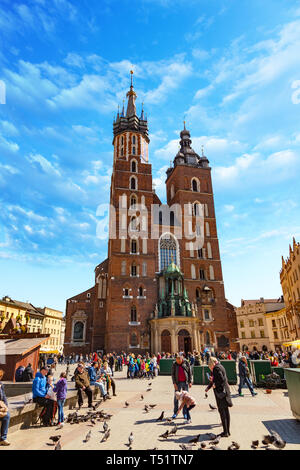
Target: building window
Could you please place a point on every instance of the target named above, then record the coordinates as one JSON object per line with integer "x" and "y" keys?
{"x": 133, "y": 315}
{"x": 133, "y": 269}
{"x": 207, "y": 314}
{"x": 133, "y": 166}
{"x": 275, "y": 335}
{"x": 168, "y": 251}
{"x": 141, "y": 291}
{"x": 260, "y": 322}
{"x": 243, "y": 335}
{"x": 133, "y": 183}
{"x": 202, "y": 274}
{"x": 198, "y": 294}
{"x": 133, "y": 202}
{"x": 273, "y": 323}
{"x": 133, "y": 246}
{"x": 252, "y": 334}
{"x": 78, "y": 331}
{"x": 200, "y": 253}
{"x": 197, "y": 210}
{"x": 195, "y": 185}
{"x": 262, "y": 333}
{"x": 251, "y": 323}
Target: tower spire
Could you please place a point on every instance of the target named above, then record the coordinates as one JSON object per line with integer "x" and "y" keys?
{"x": 131, "y": 95}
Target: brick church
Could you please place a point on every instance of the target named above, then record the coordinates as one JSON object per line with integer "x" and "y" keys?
{"x": 158, "y": 289}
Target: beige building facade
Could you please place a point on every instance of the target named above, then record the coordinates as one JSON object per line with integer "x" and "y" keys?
{"x": 31, "y": 319}
{"x": 52, "y": 324}
{"x": 278, "y": 329}
{"x": 253, "y": 325}
{"x": 290, "y": 284}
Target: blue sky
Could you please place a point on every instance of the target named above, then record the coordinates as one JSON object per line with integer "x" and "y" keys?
{"x": 230, "y": 68}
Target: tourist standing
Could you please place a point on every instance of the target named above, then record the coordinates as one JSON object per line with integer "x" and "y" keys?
{"x": 245, "y": 377}
{"x": 182, "y": 380}
{"x": 61, "y": 389}
{"x": 4, "y": 414}
{"x": 222, "y": 393}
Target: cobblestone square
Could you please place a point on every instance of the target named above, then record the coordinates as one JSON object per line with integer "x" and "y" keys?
{"x": 251, "y": 418}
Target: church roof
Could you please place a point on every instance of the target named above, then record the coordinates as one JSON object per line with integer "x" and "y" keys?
{"x": 186, "y": 155}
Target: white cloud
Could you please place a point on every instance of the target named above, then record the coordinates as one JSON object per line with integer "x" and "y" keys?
{"x": 9, "y": 128}
{"x": 46, "y": 166}
{"x": 9, "y": 145}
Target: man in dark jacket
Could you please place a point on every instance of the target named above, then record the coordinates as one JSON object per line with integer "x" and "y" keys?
{"x": 222, "y": 393}
{"x": 5, "y": 420}
{"x": 82, "y": 383}
{"x": 182, "y": 380}
{"x": 28, "y": 374}
{"x": 244, "y": 377}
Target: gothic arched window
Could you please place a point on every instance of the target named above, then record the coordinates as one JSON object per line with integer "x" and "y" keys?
{"x": 133, "y": 183}
{"x": 133, "y": 246}
{"x": 195, "y": 185}
{"x": 133, "y": 166}
{"x": 78, "y": 331}
{"x": 168, "y": 251}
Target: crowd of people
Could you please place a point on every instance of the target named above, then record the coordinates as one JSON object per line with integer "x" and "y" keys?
{"x": 97, "y": 369}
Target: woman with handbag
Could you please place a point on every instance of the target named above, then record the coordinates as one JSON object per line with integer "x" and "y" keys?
{"x": 222, "y": 393}
{"x": 4, "y": 414}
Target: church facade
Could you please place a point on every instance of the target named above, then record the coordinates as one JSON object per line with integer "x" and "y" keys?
{"x": 161, "y": 287}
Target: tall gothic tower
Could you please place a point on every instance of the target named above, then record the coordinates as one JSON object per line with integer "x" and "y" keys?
{"x": 189, "y": 185}
{"x": 131, "y": 252}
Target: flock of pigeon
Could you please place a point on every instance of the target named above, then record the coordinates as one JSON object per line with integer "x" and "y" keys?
{"x": 269, "y": 442}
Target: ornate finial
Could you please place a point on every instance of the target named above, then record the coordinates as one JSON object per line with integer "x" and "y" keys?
{"x": 202, "y": 150}
{"x": 184, "y": 125}
{"x": 131, "y": 73}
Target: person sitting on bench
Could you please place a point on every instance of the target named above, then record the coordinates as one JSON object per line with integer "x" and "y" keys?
{"x": 40, "y": 396}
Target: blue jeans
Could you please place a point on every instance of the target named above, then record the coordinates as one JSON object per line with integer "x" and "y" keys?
{"x": 181, "y": 386}
{"x": 4, "y": 426}
{"x": 247, "y": 381}
{"x": 101, "y": 386}
{"x": 60, "y": 404}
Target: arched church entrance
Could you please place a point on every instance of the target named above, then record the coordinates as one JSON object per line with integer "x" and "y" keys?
{"x": 166, "y": 341}
{"x": 184, "y": 341}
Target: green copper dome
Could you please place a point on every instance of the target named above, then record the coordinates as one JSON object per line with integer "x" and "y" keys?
{"x": 172, "y": 269}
